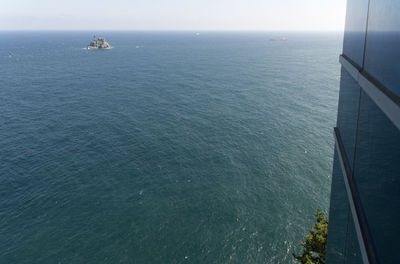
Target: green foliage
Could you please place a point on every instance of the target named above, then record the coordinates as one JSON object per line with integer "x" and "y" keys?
{"x": 315, "y": 242}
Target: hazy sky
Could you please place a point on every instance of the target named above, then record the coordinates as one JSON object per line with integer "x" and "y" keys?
{"x": 173, "y": 14}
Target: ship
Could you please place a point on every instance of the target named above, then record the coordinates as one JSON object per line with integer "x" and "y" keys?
{"x": 99, "y": 43}
{"x": 278, "y": 39}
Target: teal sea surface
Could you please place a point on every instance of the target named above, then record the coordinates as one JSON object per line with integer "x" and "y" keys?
{"x": 172, "y": 147}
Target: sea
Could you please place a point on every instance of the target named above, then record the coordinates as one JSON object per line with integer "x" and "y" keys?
{"x": 171, "y": 147}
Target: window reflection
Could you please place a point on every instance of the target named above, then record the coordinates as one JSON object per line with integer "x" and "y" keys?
{"x": 382, "y": 55}
{"x": 347, "y": 113}
{"x": 354, "y": 36}
{"x": 377, "y": 163}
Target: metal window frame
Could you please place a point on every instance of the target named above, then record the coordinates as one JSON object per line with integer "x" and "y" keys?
{"x": 389, "y": 104}
{"x": 387, "y": 101}
{"x": 366, "y": 248}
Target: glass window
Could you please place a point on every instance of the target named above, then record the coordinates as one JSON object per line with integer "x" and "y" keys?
{"x": 353, "y": 253}
{"x": 356, "y": 25}
{"x": 376, "y": 175}
{"x": 382, "y": 55}
{"x": 338, "y": 216}
{"x": 349, "y": 96}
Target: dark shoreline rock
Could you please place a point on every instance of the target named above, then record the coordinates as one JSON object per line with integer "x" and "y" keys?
{"x": 100, "y": 43}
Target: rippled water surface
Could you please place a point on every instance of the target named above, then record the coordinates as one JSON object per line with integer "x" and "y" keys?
{"x": 168, "y": 148}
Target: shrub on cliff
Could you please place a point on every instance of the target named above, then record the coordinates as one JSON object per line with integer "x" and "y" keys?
{"x": 315, "y": 242}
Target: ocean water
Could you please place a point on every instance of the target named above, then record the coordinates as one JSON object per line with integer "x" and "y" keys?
{"x": 171, "y": 147}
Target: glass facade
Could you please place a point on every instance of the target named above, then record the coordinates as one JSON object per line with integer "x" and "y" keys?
{"x": 376, "y": 174}
{"x": 382, "y": 54}
{"x": 349, "y": 97}
{"x": 352, "y": 252}
{"x": 356, "y": 25}
{"x": 338, "y": 216}
{"x": 365, "y": 194}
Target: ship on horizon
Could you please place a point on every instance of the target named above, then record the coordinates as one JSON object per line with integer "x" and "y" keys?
{"x": 278, "y": 39}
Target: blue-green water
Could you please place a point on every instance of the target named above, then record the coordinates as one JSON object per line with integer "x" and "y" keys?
{"x": 214, "y": 148}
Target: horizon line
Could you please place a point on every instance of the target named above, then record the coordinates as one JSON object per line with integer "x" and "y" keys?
{"x": 185, "y": 30}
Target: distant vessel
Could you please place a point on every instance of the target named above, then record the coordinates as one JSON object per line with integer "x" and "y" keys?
{"x": 100, "y": 43}
{"x": 278, "y": 39}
